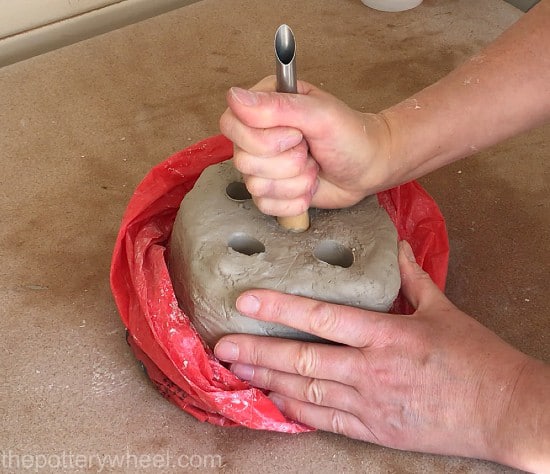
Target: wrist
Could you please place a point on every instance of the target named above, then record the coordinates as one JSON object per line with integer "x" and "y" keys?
{"x": 410, "y": 145}
{"x": 383, "y": 169}
{"x": 416, "y": 145}
{"x": 522, "y": 432}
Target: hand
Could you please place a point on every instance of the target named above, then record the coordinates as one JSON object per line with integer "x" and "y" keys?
{"x": 348, "y": 155}
{"x": 436, "y": 381}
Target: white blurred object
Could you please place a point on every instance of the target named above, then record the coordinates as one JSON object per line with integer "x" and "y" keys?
{"x": 31, "y": 27}
{"x": 392, "y": 5}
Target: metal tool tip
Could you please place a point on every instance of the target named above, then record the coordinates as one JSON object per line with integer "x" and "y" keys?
{"x": 285, "y": 45}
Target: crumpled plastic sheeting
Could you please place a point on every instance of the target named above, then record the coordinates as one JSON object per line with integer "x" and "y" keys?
{"x": 161, "y": 335}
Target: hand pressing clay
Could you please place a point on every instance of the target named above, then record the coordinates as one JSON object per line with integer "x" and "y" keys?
{"x": 222, "y": 245}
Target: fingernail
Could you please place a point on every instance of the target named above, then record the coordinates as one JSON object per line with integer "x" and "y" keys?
{"x": 291, "y": 140}
{"x": 248, "y": 304}
{"x": 407, "y": 250}
{"x": 226, "y": 350}
{"x": 243, "y": 371}
{"x": 277, "y": 401}
{"x": 244, "y": 96}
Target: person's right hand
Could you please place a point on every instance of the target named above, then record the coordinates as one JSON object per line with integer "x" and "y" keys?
{"x": 306, "y": 149}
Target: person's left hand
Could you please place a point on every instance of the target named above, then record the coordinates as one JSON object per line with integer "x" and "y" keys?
{"x": 435, "y": 381}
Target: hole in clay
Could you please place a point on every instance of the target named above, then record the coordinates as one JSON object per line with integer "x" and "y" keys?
{"x": 334, "y": 253}
{"x": 237, "y": 191}
{"x": 245, "y": 244}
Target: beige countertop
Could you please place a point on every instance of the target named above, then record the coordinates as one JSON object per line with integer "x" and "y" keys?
{"x": 81, "y": 126}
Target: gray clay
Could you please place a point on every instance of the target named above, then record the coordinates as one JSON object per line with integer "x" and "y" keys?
{"x": 222, "y": 245}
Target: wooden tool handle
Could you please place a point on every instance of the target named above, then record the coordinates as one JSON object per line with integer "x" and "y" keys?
{"x": 295, "y": 223}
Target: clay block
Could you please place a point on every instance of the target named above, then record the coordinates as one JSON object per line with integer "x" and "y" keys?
{"x": 222, "y": 245}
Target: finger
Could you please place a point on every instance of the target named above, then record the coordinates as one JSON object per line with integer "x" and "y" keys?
{"x": 305, "y": 112}
{"x": 262, "y": 142}
{"x": 290, "y": 188}
{"x": 283, "y": 207}
{"x": 416, "y": 284}
{"x": 287, "y": 164}
{"x": 317, "y": 391}
{"x": 324, "y": 418}
{"x": 314, "y": 360}
{"x": 344, "y": 324}
{"x": 267, "y": 84}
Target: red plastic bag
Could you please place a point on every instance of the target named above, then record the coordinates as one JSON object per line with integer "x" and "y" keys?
{"x": 160, "y": 334}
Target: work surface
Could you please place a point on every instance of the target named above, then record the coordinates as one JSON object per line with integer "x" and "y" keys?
{"x": 81, "y": 126}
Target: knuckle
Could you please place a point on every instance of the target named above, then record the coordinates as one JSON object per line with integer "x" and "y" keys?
{"x": 305, "y": 185}
{"x": 265, "y": 378}
{"x": 229, "y": 126}
{"x": 358, "y": 368}
{"x": 420, "y": 274}
{"x": 382, "y": 332}
{"x": 294, "y": 207}
{"x": 255, "y": 355}
{"x": 265, "y": 205}
{"x": 299, "y": 413}
{"x": 310, "y": 183}
{"x": 267, "y": 142}
{"x": 298, "y": 159}
{"x": 337, "y": 422}
{"x": 224, "y": 125}
{"x": 256, "y": 187}
{"x": 279, "y": 101}
{"x": 241, "y": 161}
{"x": 294, "y": 169}
{"x": 306, "y": 360}
{"x": 276, "y": 308}
{"x": 322, "y": 319}
{"x": 312, "y": 169}
{"x": 313, "y": 392}
{"x": 303, "y": 203}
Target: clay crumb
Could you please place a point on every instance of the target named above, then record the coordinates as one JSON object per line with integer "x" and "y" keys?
{"x": 37, "y": 287}
{"x": 413, "y": 103}
{"x": 478, "y": 59}
{"x": 470, "y": 80}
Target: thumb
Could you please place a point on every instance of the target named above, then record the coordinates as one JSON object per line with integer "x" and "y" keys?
{"x": 259, "y": 109}
{"x": 416, "y": 284}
